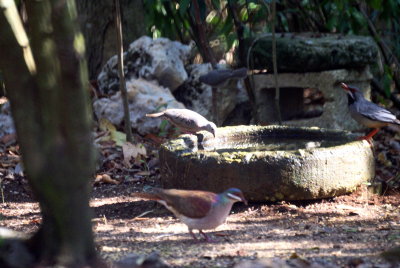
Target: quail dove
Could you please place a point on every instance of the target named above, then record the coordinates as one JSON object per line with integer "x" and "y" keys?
{"x": 186, "y": 120}
{"x": 220, "y": 77}
{"x": 197, "y": 209}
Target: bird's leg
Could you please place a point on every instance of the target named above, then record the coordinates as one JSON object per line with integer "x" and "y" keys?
{"x": 207, "y": 238}
{"x": 215, "y": 105}
{"x": 369, "y": 136}
{"x": 193, "y": 235}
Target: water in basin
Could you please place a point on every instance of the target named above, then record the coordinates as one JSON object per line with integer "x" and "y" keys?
{"x": 251, "y": 144}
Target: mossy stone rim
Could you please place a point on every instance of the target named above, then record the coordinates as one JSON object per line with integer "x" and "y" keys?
{"x": 269, "y": 175}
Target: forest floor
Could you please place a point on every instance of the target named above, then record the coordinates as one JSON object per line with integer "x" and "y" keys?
{"x": 345, "y": 231}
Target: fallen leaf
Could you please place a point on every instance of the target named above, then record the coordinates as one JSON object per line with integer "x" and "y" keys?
{"x": 130, "y": 151}
{"x": 154, "y": 138}
{"x": 105, "y": 178}
{"x": 143, "y": 173}
{"x": 117, "y": 136}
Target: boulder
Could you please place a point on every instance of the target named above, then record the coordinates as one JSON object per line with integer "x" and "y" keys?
{"x": 144, "y": 97}
{"x": 160, "y": 59}
{"x": 310, "y": 53}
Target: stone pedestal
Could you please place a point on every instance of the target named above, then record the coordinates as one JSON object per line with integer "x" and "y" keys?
{"x": 335, "y": 114}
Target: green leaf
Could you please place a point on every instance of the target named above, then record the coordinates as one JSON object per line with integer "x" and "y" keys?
{"x": 227, "y": 28}
{"x": 183, "y": 6}
{"x": 216, "y": 4}
{"x": 387, "y": 81}
{"x": 375, "y": 4}
{"x": 163, "y": 126}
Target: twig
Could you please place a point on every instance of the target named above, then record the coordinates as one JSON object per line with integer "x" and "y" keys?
{"x": 176, "y": 24}
{"x": 214, "y": 100}
{"x": 122, "y": 84}
{"x": 203, "y": 43}
{"x": 239, "y": 29}
{"x": 2, "y": 192}
{"x": 242, "y": 56}
{"x": 277, "y": 91}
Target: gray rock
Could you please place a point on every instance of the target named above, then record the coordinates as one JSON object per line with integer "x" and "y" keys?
{"x": 335, "y": 113}
{"x": 307, "y": 53}
{"x": 6, "y": 121}
{"x": 133, "y": 260}
{"x": 144, "y": 97}
{"x": 160, "y": 59}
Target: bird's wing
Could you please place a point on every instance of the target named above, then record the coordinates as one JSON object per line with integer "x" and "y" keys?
{"x": 192, "y": 204}
{"x": 375, "y": 112}
{"x": 185, "y": 119}
{"x": 216, "y": 77}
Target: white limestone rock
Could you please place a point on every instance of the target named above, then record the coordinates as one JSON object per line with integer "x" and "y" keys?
{"x": 144, "y": 97}
{"x": 160, "y": 59}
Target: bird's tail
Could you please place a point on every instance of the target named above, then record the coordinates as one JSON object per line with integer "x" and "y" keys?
{"x": 155, "y": 114}
{"x": 147, "y": 196}
{"x": 240, "y": 73}
{"x": 397, "y": 122}
{"x": 149, "y": 193}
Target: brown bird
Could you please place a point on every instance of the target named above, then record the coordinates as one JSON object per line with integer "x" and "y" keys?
{"x": 367, "y": 113}
{"x": 187, "y": 120}
{"x": 199, "y": 210}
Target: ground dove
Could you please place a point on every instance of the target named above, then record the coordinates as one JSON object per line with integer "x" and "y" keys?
{"x": 187, "y": 120}
{"x": 367, "y": 113}
{"x": 197, "y": 209}
{"x": 220, "y": 77}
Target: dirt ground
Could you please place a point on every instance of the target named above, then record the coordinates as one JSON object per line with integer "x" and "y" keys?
{"x": 346, "y": 231}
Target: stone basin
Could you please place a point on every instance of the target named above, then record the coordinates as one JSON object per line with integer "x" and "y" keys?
{"x": 268, "y": 162}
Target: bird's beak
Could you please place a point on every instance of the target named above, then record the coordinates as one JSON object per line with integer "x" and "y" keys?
{"x": 213, "y": 130}
{"x": 345, "y": 87}
{"x": 238, "y": 198}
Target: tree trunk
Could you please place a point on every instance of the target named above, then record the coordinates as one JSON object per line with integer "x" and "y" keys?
{"x": 97, "y": 23}
{"x": 50, "y": 108}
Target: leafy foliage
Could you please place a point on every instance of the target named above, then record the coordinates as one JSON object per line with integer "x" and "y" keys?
{"x": 175, "y": 19}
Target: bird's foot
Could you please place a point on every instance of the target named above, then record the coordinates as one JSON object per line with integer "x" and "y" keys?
{"x": 206, "y": 237}
{"x": 193, "y": 235}
{"x": 368, "y": 139}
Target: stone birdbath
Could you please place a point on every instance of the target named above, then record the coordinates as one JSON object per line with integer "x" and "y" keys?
{"x": 268, "y": 162}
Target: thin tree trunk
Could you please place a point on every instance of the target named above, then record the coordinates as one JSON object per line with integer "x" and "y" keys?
{"x": 97, "y": 23}
{"x": 53, "y": 121}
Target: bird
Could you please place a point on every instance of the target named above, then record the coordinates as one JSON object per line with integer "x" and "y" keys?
{"x": 199, "y": 210}
{"x": 219, "y": 78}
{"x": 187, "y": 120}
{"x": 367, "y": 113}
